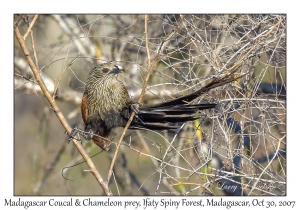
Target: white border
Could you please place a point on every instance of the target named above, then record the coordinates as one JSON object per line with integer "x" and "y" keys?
{"x": 154, "y": 6}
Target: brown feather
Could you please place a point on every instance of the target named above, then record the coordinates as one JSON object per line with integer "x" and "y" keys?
{"x": 101, "y": 142}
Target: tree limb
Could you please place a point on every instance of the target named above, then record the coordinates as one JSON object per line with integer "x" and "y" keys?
{"x": 58, "y": 113}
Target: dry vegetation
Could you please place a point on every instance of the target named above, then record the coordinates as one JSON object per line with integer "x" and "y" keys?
{"x": 238, "y": 148}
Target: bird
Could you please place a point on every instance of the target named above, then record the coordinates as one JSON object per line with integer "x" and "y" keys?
{"x": 106, "y": 104}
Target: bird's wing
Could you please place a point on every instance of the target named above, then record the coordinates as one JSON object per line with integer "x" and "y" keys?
{"x": 101, "y": 141}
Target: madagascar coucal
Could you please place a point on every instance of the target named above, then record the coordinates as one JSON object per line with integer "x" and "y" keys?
{"x": 106, "y": 104}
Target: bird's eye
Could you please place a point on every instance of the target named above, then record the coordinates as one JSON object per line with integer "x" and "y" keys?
{"x": 105, "y": 70}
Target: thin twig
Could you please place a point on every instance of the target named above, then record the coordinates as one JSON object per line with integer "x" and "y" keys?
{"x": 62, "y": 73}
{"x": 215, "y": 170}
{"x": 34, "y": 51}
{"x": 189, "y": 183}
{"x": 263, "y": 172}
{"x": 147, "y": 41}
{"x": 63, "y": 94}
{"x": 30, "y": 27}
{"x": 145, "y": 145}
{"x": 28, "y": 79}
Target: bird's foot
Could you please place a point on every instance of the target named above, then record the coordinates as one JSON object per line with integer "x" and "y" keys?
{"x": 88, "y": 135}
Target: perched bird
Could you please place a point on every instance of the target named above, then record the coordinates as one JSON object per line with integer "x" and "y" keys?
{"x": 106, "y": 104}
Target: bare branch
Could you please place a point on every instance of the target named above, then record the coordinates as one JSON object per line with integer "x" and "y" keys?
{"x": 58, "y": 113}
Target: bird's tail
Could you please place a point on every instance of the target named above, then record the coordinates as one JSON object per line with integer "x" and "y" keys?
{"x": 158, "y": 117}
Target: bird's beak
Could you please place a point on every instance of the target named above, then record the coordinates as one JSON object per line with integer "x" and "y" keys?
{"x": 117, "y": 69}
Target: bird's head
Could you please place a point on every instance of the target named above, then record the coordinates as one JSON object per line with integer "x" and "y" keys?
{"x": 106, "y": 71}
{"x": 103, "y": 75}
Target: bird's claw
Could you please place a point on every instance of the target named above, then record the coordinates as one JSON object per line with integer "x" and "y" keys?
{"x": 85, "y": 135}
{"x": 88, "y": 136}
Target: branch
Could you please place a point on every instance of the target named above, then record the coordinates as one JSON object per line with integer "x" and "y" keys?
{"x": 62, "y": 94}
{"x": 30, "y": 27}
{"x": 151, "y": 64}
{"x": 72, "y": 33}
{"x": 58, "y": 113}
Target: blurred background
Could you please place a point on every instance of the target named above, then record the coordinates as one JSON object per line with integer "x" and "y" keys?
{"x": 237, "y": 148}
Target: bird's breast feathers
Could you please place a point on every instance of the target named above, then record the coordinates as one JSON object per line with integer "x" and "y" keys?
{"x": 101, "y": 101}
